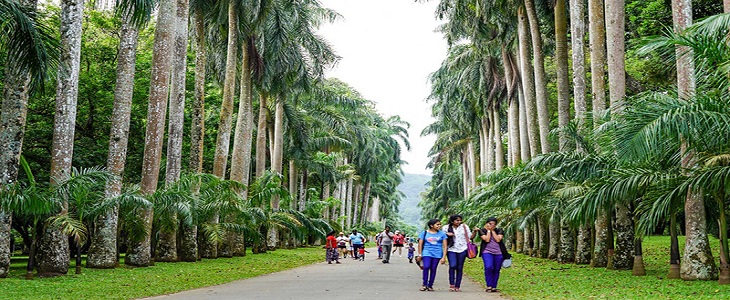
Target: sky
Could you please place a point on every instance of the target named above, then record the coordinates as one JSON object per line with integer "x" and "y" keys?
{"x": 388, "y": 50}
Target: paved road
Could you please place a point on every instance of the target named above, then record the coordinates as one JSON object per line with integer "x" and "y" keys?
{"x": 369, "y": 279}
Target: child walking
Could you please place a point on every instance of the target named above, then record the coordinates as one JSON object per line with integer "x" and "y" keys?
{"x": 411, "y": 251}
{"x": 362, "y": 252}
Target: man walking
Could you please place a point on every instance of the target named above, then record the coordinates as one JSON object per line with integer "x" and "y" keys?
{"x": 358, "y": 241}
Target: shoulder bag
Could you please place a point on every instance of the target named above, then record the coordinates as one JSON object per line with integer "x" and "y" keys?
{"x": 471, "y": 248}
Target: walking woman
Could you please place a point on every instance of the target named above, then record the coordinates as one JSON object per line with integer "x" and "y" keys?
{"x": 331, "y": 246}
{"x": 491, "y": 253}
{"x": 458, "y": 236}
{"x": 431, "y": 247}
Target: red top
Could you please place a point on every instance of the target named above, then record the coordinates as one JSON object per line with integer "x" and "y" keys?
{"x": 331, "y": 242}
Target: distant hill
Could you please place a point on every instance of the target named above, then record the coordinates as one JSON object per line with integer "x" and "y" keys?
{"x": 412, "y": 186}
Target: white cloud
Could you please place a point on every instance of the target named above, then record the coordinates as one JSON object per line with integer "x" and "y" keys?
{"x": 388, "y": 49}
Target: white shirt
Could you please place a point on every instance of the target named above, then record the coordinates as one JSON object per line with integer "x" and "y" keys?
{"x": 460, "y": 239}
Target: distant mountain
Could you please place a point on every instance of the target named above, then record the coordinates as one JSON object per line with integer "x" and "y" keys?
{"x": 412, "y": 186}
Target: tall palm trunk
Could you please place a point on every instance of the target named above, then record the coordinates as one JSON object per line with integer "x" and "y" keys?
{"x": 229, "y": 84}
{"x": 276, "y": 163}
{"x": 53, "y": 251}
{"x": 697, "y": 262}
{"x": 166, "y": 246}
{"x": 597, "y": 38}
{"x": 577, "y": 42}
{"x": 243, "y": 136}
{"x": 261, "y": 136}
{"x": 541, "y": 95}
{"x": 528, "y": 82}
{"x": 103, "y": 250}
{"x": 139, "y": 251}
{"x": 561, "y": 61}
{"x": 583, "y": 246}
{"x": 188, "y": 250}
{"x": 513, "y": 110}
{"x": 366, "y": 202}
{"x": 555, "y": 234}
{"x": 674, "y": 248}
{"x": 600, "y": 250}
{"x": 498, "y": 147}
{"x": 524, "y": 137}
{"x": 13, "y": 116}
{"x": 197, "y": 126}
{"x": 624, "y": 254}
{"x": 487, "y": 136}
{"x": 567, "y": 242}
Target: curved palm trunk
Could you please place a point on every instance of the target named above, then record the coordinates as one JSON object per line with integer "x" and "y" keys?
{"x": 139, "y": 251}
{"x": 561, "y": 61}
{"x": 53, "y": 251}
{"x": 103, "y": 250}
{"x": 638, "y": 269}
{"x": 261, "y": 137}
{"x": 541, "y": 95}
{"x": 487, "y": 136}
{"x": 528, "y": 83}
{"x": 519, "y": 241}
{"x": 13, "y": 116}
{"x": 229, "y": 84}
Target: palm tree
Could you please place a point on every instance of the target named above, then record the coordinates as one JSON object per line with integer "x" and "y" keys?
{"x": 103, "y": 249}
{"x": 139, "y": 251}
{"x": 53, "y": 250}
{"x": 35, "y": 51}
{"x": 540, "y": 80}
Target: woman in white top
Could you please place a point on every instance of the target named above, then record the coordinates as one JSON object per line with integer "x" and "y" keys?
{"x": 458, "y": 234}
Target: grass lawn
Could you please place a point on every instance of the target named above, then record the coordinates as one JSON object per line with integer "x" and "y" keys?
{"x": 535, "y": 278}
{"x": 162, "y": 278}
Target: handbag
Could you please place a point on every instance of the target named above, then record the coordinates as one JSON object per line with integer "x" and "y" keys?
{"x": 506, "y": 257}
{"x": 471, "y": 248}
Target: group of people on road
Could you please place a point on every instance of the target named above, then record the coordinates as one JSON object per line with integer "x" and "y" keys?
{"x": 436, "y": 245}
{"x": 439, "y": 244}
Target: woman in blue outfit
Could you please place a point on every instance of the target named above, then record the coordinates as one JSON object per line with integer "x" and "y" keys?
{"x": 491, "y": 253}
{"x": 432, "y": 247}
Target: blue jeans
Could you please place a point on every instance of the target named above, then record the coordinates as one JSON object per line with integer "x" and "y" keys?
{"x": 492, "y": 266}
{"x": 456, "y": 267}
{"x": 429, "y": 270}
{"x": 355, "y": 248}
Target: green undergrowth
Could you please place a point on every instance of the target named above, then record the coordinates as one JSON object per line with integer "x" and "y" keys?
{"x": 536, "y": 278}
{"x": 162, "y": 278}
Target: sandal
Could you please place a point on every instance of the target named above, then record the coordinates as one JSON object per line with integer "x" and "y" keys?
{"x": 423, "y": 288}
{"x": 430, "y": 289}
{"x": 495, "y": 291}
{"x": 488, "y": 290}
{"x": 457, "y": 290}
{"x": 452, "y": 289}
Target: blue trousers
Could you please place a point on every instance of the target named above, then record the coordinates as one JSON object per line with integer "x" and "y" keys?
{"x": 492, "y": 266}
{"x": 456, "y": 267}
{"x": 429, "y": 270}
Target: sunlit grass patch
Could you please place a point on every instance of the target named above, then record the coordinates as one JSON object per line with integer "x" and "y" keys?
{"x": 536, "y": 278}
{"x": 162, "y": 278}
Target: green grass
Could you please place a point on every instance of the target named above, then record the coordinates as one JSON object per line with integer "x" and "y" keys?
{"x": 162, "y": 278}
{"x": 533, "y": 278}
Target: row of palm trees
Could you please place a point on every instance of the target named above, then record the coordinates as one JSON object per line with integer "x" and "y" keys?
{"x": 323, "y": 157}
{"x": 621, "y": 170}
